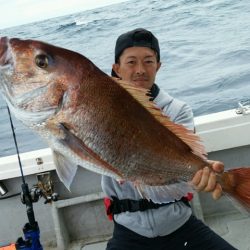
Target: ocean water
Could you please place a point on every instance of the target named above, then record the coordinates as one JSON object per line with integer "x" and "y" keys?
{"x": 205, "y": 51}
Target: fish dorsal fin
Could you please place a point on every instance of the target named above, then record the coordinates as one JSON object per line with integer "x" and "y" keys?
{"x": 186, "y": 135}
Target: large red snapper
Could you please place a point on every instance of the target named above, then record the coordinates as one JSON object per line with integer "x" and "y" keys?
{"x": 102, "y": 124}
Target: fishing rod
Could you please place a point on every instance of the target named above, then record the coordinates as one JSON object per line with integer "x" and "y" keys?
{"x": 31, "y": 230}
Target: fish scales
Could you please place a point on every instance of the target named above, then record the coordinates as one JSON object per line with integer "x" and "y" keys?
{"x": 103, "y": 124}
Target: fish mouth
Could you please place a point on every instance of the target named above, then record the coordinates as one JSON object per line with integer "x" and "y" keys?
{"x": 5, "y": 54}
{"x": 6, "y": 68}
{"x": 6, "y": 62}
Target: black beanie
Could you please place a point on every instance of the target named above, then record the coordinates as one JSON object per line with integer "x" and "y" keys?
{"x": 136, "y": 38}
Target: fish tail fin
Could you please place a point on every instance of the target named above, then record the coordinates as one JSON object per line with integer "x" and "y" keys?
{"x": 164, "y": 194}
{"x": 236, "y": 183}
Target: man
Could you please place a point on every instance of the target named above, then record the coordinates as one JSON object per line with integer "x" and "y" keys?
{"x": 141, "y": 224}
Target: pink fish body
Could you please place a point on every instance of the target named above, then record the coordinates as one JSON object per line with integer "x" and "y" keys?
{"x": 102, "y": 124}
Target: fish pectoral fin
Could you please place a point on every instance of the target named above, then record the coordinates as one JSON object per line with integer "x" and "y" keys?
{"x": 65, "y": 169}
{"x": 75, "y": 144}
{"x": 79, "y": 148}
{"x": 164, "y": 194}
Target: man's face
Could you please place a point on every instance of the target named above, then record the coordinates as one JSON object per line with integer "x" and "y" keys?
{"x": 138, "y": 65}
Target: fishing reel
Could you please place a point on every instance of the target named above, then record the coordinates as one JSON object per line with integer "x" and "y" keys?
{"x": 36, "y": 193}
{"x": 43, "y": 188}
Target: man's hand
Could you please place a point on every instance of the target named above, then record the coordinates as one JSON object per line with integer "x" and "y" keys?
{"x": 205, "y": 180}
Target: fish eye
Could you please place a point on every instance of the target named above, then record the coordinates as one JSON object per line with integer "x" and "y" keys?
{"x": 42, "y": 61}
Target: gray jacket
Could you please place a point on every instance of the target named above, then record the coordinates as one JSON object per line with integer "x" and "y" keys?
{"x": 166, "y": 219}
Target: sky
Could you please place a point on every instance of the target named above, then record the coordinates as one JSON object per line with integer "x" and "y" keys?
{"x": 17, "y": 12}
